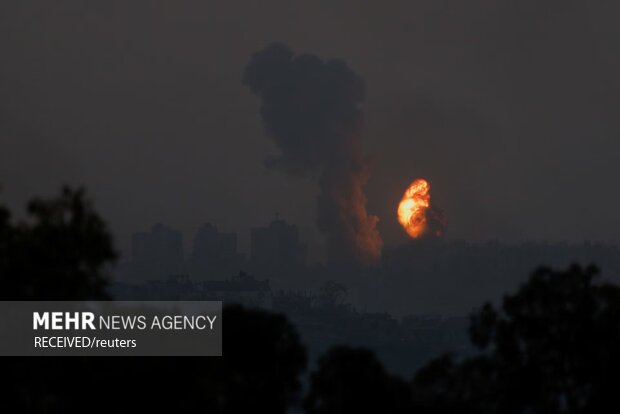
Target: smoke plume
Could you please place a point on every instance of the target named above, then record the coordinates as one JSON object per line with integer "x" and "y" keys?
{"x": 310, "y": 108}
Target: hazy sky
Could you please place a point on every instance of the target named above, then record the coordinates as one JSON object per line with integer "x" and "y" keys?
{"x": 508, "y": 108}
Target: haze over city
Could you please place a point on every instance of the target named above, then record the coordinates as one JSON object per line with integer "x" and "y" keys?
{"x": 143, "y": 103}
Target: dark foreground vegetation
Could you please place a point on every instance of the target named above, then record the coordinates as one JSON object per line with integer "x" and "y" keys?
{"x": 551, "y": 347}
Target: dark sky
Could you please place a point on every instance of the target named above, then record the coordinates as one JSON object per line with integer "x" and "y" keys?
{"x": 508, "y": 108}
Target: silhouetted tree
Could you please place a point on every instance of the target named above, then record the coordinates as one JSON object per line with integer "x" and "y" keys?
{"x": 58, "y": 253}
{"x": 350, "y": 380}
{"x": 553, "y": 348}
{"x": 444, "y": 386}
{"x": 258, "y": 372}
{"x": 262, "y": 362}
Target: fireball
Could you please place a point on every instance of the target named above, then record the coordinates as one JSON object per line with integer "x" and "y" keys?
{"x": 413, "y": 208}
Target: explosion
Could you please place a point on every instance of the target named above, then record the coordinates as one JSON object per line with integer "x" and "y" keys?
{"x": 413, "y": 208}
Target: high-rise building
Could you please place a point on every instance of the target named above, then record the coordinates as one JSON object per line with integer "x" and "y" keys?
{"x": 214, "y": 254}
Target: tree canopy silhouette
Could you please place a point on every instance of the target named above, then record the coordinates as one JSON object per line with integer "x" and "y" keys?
{"x": 352, "y": 380}
{"x": 262, "y": 363}
{"x": 552, "y": 348}
{"x": 58, "y": 253}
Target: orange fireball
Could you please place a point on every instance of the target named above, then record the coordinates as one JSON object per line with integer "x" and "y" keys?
{"x": 413, "y": 206}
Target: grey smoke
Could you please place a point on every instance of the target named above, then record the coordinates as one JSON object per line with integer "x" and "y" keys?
{"x": 310, "y": 107}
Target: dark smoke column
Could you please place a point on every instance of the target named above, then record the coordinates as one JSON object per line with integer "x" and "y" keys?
{"x": 310, "y": 108}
